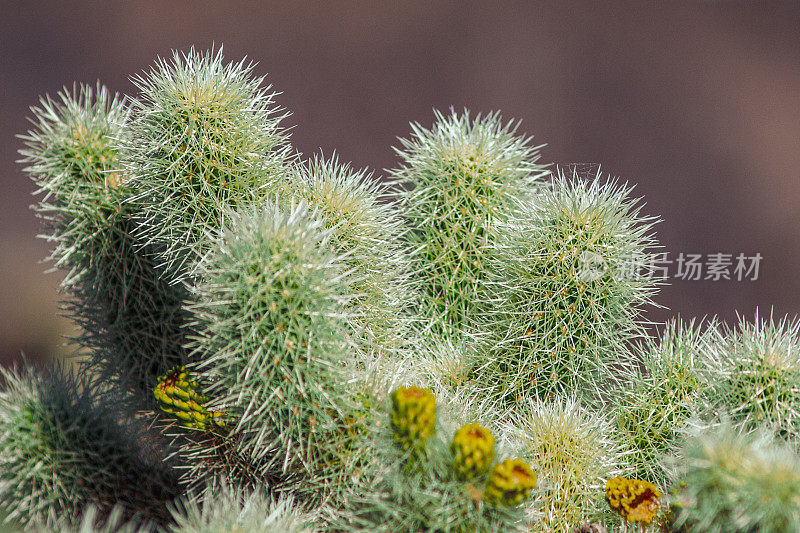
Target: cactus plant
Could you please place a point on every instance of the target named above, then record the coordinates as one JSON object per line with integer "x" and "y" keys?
{"x": 573, "y": 451}
{"x": 730, "y": 479}
{"x": 68, "y": 444}
{"x": 271, "y": 322}
{"x": 253, "y": 322}
{"x": 131, "y": 320}
{"x": 568, "y": 292}
{"x": 367, "y": 232}
{"x": 462, "y": 178}
{"x": 205, "y": 137}
{"x": 754, "y": 374}
{"x": 655, "y": 403}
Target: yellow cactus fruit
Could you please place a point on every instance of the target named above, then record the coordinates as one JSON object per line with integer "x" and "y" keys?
{"x": 177, "y": 395}
{"x": 413, "y": 416}
{"x": 510, "y": 483}
{"x": 634, "y": 499}
{"x": 473, "y": 451}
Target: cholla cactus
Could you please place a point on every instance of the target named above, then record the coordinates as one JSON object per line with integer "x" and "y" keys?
{"x": 226, "y": 509}
{"x": 413, "y": 418}
{"x": 131, "y": 320}
{"x": 66, "y": 445}
{"x": 205, "y": 138}
{"x": 734, "y": 480}
{"x": 510, "y": 483}
{"x": 754, "y": 374}
{"x": 367, "y": 231}
{"x": 655, "y": 403}
{"x": 567, "y": 291}
{"x": 177, "y": 394}
{"x": 269, "y": 336}
{"x": 636, "y": 500}
{"x": 473, "y": 451}
{"x": 573, "y": 451}
{"x": 271, "y": 322}
{"x": 466, "y": 176}
{"x": 91, "y": 521}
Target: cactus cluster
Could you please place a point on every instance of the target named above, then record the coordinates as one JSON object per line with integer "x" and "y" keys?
{"x": 252, "y": 321}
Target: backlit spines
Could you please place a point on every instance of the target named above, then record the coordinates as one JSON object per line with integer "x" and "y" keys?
{"x": 568, "y": 284}
{"x": 131, "y": 320}
{"x": 206, "y": 138}
{"x": 271, "y": 321}
{"x": 754, "y": 374}
{"x": 731, "y": 479}
{"x": 222, "y": 507}
{"x": 67, "y": 444}
{"x": 573, "y": 450}
{"x": 367, "y": 231}
{"x": 655, "y": 403}
{"x": 461, "y": 179}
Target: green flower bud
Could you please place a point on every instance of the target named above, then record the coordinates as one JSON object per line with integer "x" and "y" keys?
{"x": 510, "y": 483}
{"x": 473, "y": 451}
{"x": 179, "y": 397}
{"x": 413, "y": 417}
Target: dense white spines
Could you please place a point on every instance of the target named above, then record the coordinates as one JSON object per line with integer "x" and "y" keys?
{"x": 272, "y": 337}
{"x": 566, "y": 291}
{"x": 731, "y": 479}
{"x": 206, "y": 137}
{"x": 367, "y": 231}
{"x": 67, "y": 443}
{"x": 574, "y": 451}
{"x": 754, "y": 374}
{"x": 131, "y": 319}
{"x": 463, "y": 178}
{"x": 653, "y": 406}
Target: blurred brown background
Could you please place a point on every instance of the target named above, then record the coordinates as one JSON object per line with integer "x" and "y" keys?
{"x": 698, "y": 103}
